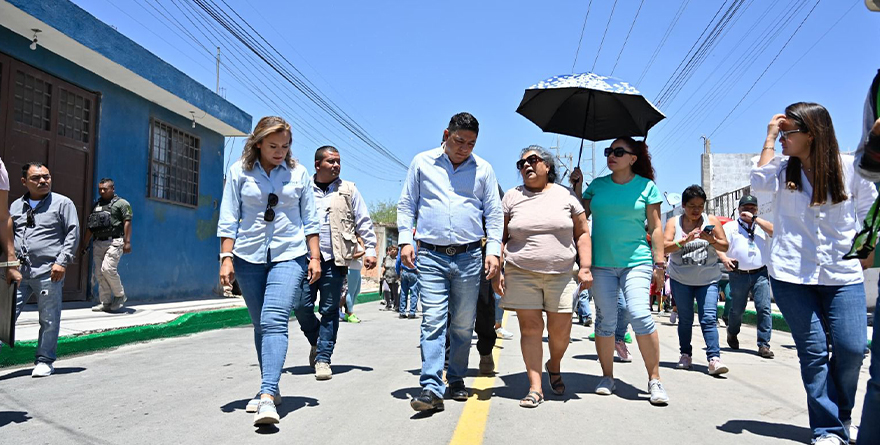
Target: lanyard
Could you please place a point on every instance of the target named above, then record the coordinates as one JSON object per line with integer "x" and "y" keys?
{"x": 750, "y": 231}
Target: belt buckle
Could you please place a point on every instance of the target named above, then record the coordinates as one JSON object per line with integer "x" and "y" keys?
{"x": 450, "y": 250}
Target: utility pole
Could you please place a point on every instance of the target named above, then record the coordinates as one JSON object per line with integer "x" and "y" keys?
{"x": 218, "y": 70}
{"x": 593, "y": 160}
{"x": 707, "y": 145}
{"x": 565, "y": 161}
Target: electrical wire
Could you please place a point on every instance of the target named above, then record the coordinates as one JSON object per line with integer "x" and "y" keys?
{"x": 593, "y": 69}
{"x": 627, "y": 37}
{"x": 663, "y": 40}
{"x": 583, "y": 28}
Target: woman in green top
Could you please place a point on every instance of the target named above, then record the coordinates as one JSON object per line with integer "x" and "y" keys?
{"x": 622, "y": 259}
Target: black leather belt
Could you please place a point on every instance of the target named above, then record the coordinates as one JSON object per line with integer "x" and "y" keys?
{"x": 750, "y": 272}
{"x": 450, "y": 250}
{"x": 104, "y": 239}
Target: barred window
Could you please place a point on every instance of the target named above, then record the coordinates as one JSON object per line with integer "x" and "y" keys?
{"x": 74, "y": 115}
{"x": 32, "y": 104}
{"x": 174, "y": 165}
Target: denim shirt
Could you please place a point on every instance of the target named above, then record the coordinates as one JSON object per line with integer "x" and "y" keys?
{"x": 449, "y": 203}
{"x": 245, "y": 197}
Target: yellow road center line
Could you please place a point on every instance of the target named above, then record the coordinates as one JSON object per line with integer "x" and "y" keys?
{"x": 472, "y": 423}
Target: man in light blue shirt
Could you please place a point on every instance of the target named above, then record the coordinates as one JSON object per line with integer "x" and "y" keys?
{"x": 450, "y": 192}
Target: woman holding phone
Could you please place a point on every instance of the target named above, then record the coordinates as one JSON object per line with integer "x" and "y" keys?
{"x": 269, "y": 229}
{"x": 693, "y": 240}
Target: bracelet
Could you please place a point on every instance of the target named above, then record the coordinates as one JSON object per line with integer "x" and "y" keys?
{"x": 678, "y": 244}
{"x": 15, "y": 263}
{"x": 224, "y": 255}
{"x": 769, "y": 148}
{"x": 314, "y": 258}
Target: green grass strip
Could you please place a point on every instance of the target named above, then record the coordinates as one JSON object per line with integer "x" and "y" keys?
{"x": 185, "y": 324}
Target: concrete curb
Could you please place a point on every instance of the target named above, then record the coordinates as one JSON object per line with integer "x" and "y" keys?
{"x": 186, "y": 324}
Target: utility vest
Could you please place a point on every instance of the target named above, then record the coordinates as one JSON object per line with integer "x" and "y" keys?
{"x": 99, "y": 222}
{"x": 343, "y": 237}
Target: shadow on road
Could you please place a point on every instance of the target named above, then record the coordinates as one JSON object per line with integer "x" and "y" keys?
{"x": 7, "y": 417}
{"x": 289, "y": 404}
{"x": 27, "y": 372}
{"x": 337, "y": 369}
{"x": 775, "y": 430}
{"x": 694, "y": 368}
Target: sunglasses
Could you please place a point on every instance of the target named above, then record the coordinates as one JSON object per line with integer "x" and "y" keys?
{"x": 783, "y": 135}
{"x": 532, "y": 160}
{"x": 270, "y": 212}
{"x": 618, "y": 152}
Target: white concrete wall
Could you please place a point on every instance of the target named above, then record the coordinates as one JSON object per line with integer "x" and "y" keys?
{"x": 725, "y": 172}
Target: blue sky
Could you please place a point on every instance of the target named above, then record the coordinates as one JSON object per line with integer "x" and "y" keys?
{"x": 401, "y": 69}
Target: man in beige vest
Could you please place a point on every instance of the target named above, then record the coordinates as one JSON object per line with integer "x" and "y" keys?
{"x": 344, "y": 217}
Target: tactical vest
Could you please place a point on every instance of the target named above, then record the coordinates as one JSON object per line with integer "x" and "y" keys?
{"x": 100, "y": 222}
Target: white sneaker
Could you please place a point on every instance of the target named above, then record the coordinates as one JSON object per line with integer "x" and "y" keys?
{"x": 684, "y": 362}
{"x": 852, "y": 430}
{"x": 829, "y": 439}
{"x": 503, "y": 334}
{"x": 322, "y": 371}
{"x": 605, "y": 386}
{"x": 622, "y": 351}
{"x": 266, "y": 414}
{"x": 716, "y": 367}
{"x": 658, "y": 393}
{"x": 254, "y": 404}
{"x": 43, "y": 370}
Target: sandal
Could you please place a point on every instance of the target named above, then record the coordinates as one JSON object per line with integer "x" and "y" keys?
{"x": 557, "y": 385}
{"x": 531, "y": 400}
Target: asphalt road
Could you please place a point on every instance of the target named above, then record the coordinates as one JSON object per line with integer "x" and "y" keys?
{"x": 194, "y": 390}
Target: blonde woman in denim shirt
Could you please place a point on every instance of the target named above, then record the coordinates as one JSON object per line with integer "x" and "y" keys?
{"x": 269, "y": 242}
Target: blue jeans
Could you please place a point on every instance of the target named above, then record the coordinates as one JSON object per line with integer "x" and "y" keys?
{"x": 449, "y": 287}
{"x": 582, "y": 304}
{"x": 499, "y": 311}
{"x": 622, "y": 318}
{"x": 49, "y": 306}
{"x": 812, "y": 311}
{"x": 759, "y": 285}
{"x": 724, "y": 286}
{"x": 869, "y": 429}
{"x": 354, "y": 288}
{"x": 707, "y": 307}
{"x": 269, "y": 291}
{"x": 409, "y": 291}
{"x": 323, "y": 333}
{"x": 635, "y": 283}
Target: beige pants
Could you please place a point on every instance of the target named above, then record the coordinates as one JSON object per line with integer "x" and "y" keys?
{"x": 106, "y": 254}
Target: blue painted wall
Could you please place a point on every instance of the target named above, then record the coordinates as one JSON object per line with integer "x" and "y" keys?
{"x": 174, "y": 247}
{"x": 86, "y": 29}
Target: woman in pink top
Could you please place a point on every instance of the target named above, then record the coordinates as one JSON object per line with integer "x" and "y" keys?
{"x": 544, "y": 231}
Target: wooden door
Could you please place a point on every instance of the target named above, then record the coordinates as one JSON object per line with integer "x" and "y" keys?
{"x": 53, "y": 122}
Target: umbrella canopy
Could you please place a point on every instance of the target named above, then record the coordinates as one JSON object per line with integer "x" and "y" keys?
{"x": 589, "y": 106}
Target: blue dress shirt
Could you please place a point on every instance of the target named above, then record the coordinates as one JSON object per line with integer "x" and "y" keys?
{"x": 245, "y": 197}
{"x": 450, "y": 204}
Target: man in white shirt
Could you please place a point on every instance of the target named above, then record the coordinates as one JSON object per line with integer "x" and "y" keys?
{"x": 746, "y": 261}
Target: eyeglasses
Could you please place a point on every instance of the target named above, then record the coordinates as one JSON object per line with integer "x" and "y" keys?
{"x": 532, "y": 160}
{"x": 270, "y": 212}
{"x": 783, "y": 135}
{"x": 618, "y": 152}
{"x": 31, "y": 221}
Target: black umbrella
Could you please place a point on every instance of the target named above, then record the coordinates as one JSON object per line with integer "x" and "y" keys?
{"x": 589, "y": 106}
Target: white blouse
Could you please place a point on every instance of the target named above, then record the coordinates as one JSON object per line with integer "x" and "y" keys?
{"x": 809, "y": 242}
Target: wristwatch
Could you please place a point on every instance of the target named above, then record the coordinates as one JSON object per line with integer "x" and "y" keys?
{"x": 225, "y": 255}
{"x": 15, "y": 263}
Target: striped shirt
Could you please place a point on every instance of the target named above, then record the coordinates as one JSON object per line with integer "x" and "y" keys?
{"x": 450, "y": 204}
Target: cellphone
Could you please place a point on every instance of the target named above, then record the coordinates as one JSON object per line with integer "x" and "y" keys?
{"x": 709, "y": 228}
{"x": 735, "y": 264}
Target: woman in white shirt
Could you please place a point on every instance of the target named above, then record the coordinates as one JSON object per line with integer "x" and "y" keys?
{"x": 818, "y": 204}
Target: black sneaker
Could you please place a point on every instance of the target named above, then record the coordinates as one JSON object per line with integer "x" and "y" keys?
{"x": 411, "y": 316}
{"x": 402, "y": 316}
{"x": 732, "y": 341}
{"x": 458, "y": 391}
{"x": 588, "y": 321}
{"x": 427, "y": 401}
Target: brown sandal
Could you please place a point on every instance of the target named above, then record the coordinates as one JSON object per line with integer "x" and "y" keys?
{"x": 531, "y": 400}
{"x": 557, "y": 385}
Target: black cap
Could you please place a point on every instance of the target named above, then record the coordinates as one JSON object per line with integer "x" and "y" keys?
{"x": 748, "y": 199}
